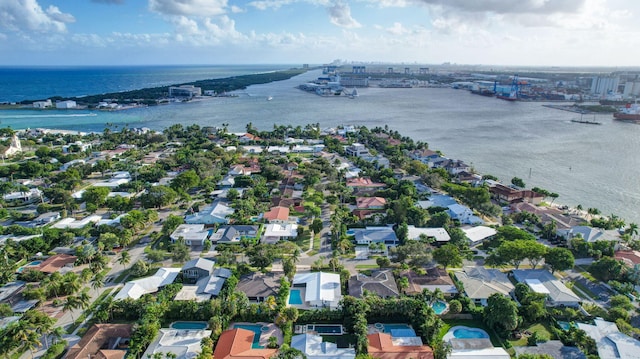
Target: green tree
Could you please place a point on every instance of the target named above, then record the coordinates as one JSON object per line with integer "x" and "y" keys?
{"x": 516, "y": 181}
{"x": 185, "y": 180}
{"x": 158, "y": 197}
{"x": 171, "y": 223}
{"x": 180, "y": 252}
{"x": 125, "y": 258}
{"x": 139, "y": 268}
{"x": 447, "y": 256}
{"x": 95, "y": 195}
{"x": 559, "y": 258}
{"x": 501, "y": 313}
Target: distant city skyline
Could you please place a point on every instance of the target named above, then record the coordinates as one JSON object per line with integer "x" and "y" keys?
{"x": 175, "y": 32}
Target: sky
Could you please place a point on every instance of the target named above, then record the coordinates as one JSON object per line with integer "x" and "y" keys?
{"x": 168, "y": 32}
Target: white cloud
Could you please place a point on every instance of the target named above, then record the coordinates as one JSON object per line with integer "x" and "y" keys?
{"x": 189, "y": 7}
{"x": 397, "y": 29}
{"x": 236, "y": 9}
{"x": 28, "y": 15}
{"x": 340, "y": 15}
{"x": 269, "y": 4}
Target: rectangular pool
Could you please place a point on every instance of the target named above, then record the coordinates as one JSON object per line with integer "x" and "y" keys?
{"x": 326, "y": 329}
{"x": 189, "y": 325}
{"x": 256, "y": 329}
{"x": 295, "y": 297}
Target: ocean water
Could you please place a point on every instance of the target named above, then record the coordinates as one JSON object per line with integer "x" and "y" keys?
{"x": 36, "y": 83}
{"x": 595, "y": 166}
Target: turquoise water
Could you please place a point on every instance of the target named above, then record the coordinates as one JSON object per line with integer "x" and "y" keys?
{"x": 350, "y": 232}
{"x": 189, "y": 325}
{"x": 470, "y": 333}
{"x": 28, "y": 265}
{"x": 256, "y": 329}
{"x": 439, "y": 307}
{"x": 295, "y": 297}
{"x": 389, "y": 327}
{"x": 327, "y": 329}
{"x": 565, "y": 325}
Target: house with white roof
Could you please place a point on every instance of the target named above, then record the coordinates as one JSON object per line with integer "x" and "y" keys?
{"x": 192, "y": 234}
{"x": 137, "y": 288}
{"x": 439, "y": 234}
{"x": 23, "y": 197}
{"x": 313, "y": 347}
{"x": 275, "y": 232}
{"x": 72, "y": 223}
{"x": 206, "y": 287}
{"x": 182, "y": 343}
{"x": 227, "y": 182}
{"x": 216, "y": 213}
{"x": 611, "y": 343}
{"x": 368, "y": 235}
{"x": 463, "y": 214}
{"x": 478, "y": 234}
{"x": 543, "y": 282}
{"x": 480, "y": 283}
{"x": 319, "y": 289}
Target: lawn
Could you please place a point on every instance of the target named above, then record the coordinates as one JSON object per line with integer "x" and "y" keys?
{"x": 540, "y": 328}
{"x": 366, "y": 266}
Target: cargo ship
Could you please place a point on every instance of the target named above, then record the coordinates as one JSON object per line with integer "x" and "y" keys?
{"x": 631, "y": 112}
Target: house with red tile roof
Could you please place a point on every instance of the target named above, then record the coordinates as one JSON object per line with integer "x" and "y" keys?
{"x": 102, "y": 341}
{"x": 370, "y": 202}
{"x": 277, "y": 214}
{"x": 237, "y": 343}
{"x": 56, "y": 262}
{"x": 362, "y": 184}
{"x": 383, "y": 346}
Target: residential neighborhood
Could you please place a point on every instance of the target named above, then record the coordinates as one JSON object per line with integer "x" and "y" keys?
{"x": 347, "y": 242}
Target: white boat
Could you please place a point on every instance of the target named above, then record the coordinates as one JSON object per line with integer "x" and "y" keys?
{"x": 269, "y": 98}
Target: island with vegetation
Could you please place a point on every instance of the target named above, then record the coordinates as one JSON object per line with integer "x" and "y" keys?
{"x": 293, "y": 236}
{"x": 153, "y": 95}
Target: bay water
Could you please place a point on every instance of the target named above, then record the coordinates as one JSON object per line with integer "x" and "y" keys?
{"x": 595, "y": 166}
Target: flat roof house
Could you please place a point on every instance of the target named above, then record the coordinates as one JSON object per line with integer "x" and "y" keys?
{"x": 320, "y": 289}
{"x": 183, "y": 343}
{"x": 313, "y": 347}
{"x": 194, "y": 235}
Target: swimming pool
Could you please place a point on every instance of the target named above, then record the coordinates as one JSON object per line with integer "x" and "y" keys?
{"x": 565, "y": 325}
{"x": 189, "y": 325}
{"x": 28, "y": 266}
{"x": 350, "y": 232}
{"x": 439, "y": 307}
{"x": 389, "y": 327}
{"x": 256, "y": 329}
{"x": 295, "y": 297}
{"x": 326, "y": 329}
{"x": 461, "y": 332}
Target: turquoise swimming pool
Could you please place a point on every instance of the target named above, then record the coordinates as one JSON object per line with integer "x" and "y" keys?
{"x": 189, "y": 325}
{"x": 389, "y": 327}
{"x": 326, "y": 329}
{"x": 256, "y": 329}
{"x": 439, "y": 307}
{"x": 565, "y": 325}
{"x": 469, "y": 333}
{"x": 295, "y": 297}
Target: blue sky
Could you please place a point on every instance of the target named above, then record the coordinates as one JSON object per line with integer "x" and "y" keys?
{"x": 490, "y": 32}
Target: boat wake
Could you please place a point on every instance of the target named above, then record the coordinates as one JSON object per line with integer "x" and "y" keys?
{"x": 45, "y": 116}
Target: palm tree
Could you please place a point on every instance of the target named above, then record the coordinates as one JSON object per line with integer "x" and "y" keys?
{"x": 125, "y": 258}
{"x": 84, "y": 299}
{"x": 70, "y": 303}
{"x": 98, "y": 281}
{"x": 40, "y": 322}
{"x": 632, "y": 229}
